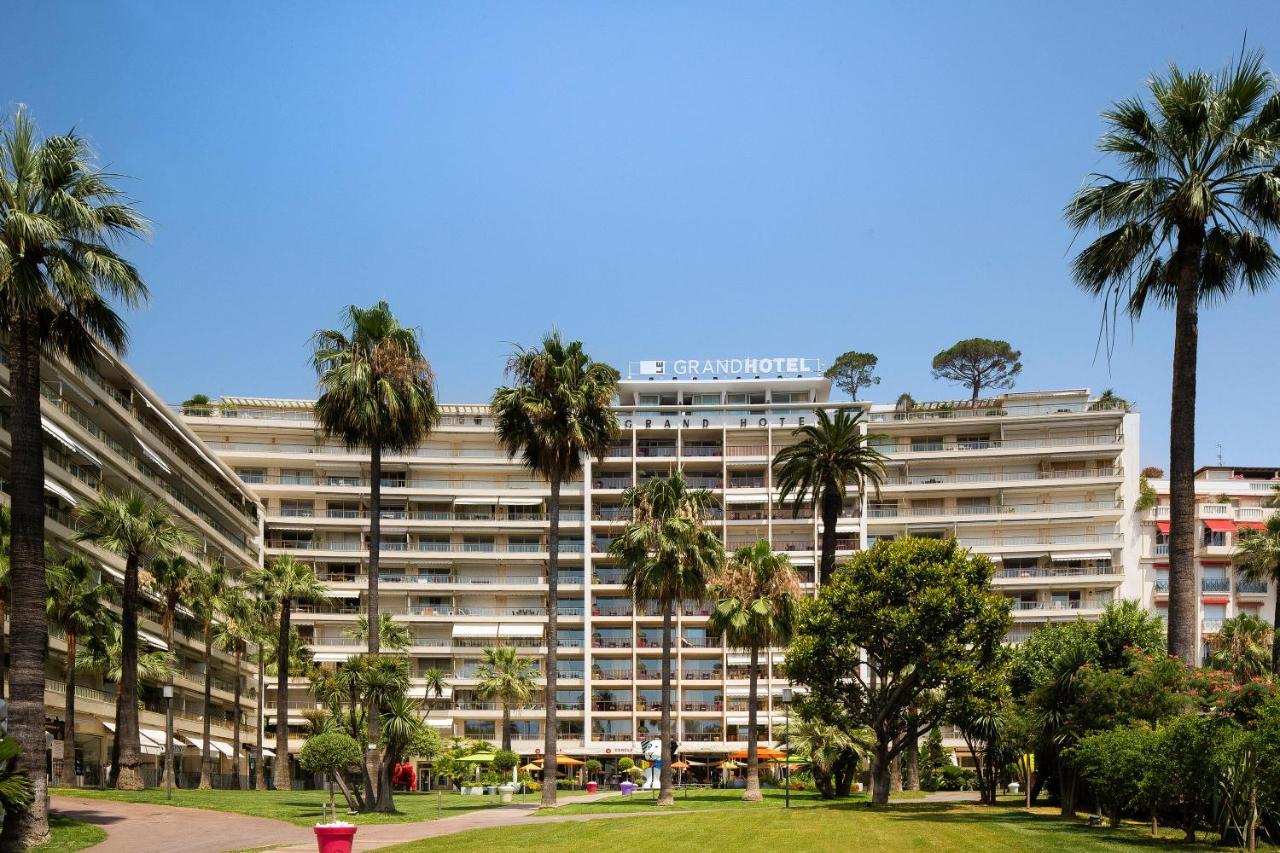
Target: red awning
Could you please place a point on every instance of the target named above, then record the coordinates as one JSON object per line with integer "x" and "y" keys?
{"x": 1163, "y": 527}
{"x": 1251, "y": 525}
{"x": 1219, "y": 525}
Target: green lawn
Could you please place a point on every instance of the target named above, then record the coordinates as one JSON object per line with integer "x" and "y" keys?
{"x": 67, "y": 835}
{"x": 903, "y": 826}
{"x": 702, "y": 798}
{"x": 299, "y": 807}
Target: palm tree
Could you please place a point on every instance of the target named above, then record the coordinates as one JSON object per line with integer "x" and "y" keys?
{"x": 436, "y": 684}
{"x": 383, "y": 680}
{"x": 668, "y": 553}
{"x": 555, "y": 412}
{"x": 831, "y": 457}
{"x": 6, "y": 526}
{"x": 1257, "y": 558}
{"x": 756, "y": 596}
{"x": 59, "y": 218}
{"x": 509, "y": 678}
{"x": 76, "y": 606}
{"x": 821, "y": 746}
{"x": 377, "y": 391}
{"x": 210, "y": 586}
{"x": 262, "y": 629}
{"x": 134, "y": 526}
{"x": 170, "y": 577}
{"x": 282, "y": 583}
{"x": 1242, "y": 647}
{"x": 233, "y": 633}
{"x": 391, "y": 634}
{"x": 1185, "y": 225}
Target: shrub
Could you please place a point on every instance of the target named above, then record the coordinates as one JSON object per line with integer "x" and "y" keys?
{"x": 504, "y": 760}
{"x": 625, "y": 764}
{"x": 594, "y": 767}
{"x": 1115, "y": 763}
{"x": 331, "y": 752}
{"x": 953, "y": 778}
{"x": 1152, "y": 472}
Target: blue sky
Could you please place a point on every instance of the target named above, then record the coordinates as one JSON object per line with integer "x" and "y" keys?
{"x": 656, "y": 179}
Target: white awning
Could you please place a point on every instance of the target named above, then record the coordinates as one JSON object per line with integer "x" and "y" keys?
{"x": 342, "y": 593}
{"x": 68, "y": 442}
{"x": 778, "y": 720}
{"x": 152, "y": 640}
{"x": 266, "y": 750}
{"x": 475, "y": 501}
{"x": 54, "y": 488}
{"x": 421, "y": 692}
{"x": 737, "y": 692}
{"x": 154, "y": 736}
{"x": 190, "y": 740}
{"x": 153, "y": 456}
{"x": 330, "y": 657}
{"x": 518, "y": 501}
{"x": 733, "y": 498}
{"x": 439, "y": 722}
{"x": 739, "y": 660}
{"x": 290, "y": 528}
{"x": 462, "y": 630}
{"x": 115, "y": 573}
{"x": 1083, "y": 555}
{"x": 519, "y": 631}
{"x": 738, "y": 720}
{"x": 224, "y": 748}
{"x": 148, "y": 748}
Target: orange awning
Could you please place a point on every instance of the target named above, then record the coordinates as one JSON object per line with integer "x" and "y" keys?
{"x": 1219, "y": 525}
{"x": 1251, "y": 525}
{"x": 1163, "y": 527}
{"x": 764, "y": 753}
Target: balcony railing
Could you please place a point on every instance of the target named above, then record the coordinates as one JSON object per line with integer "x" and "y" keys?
{"x": 1251, "y": 587}
{"x": 1000, "y": 477}
{"x": 994, "y": 409}
{"x": 1215, "y": 584}
{"x": 997, "y": 444}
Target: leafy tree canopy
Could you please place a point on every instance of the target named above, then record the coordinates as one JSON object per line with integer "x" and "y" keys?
{"x": 978, "y": 363}
{"x": 853, "y": 370}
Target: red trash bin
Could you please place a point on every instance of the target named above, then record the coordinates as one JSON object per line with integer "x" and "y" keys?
{"x": 591, "y": 787}
{"x": 335, "y": 839}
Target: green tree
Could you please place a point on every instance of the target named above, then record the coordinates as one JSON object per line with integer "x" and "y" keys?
{"x": 171, "y": 577}
{"x": 393, "y": 635}
{"x": 853, "y": 370}
{"x": 282, "y": 583}
{"x": 232, "y": 634}
{"x": 822, "y": 747}
{"x": 756, "y": 595}
{"x": 1257, "y": 558}
{"x": 377, "y": 391}
{"x": 934, "y": 757}
{"x": 511, "y": 679}
{"x": 1116, "y": 763}
{"x": 831, "y": 457}
{"x": 1243, "y": 647}
{"x": 668, "y": 552}
{"x": 435, "y": 683}
{"x": 77, "y": 605}
{"x": 1182, "y": 774}
{"x": 136, "y": 527}
{"x": 260, "y": 615}
{"x": 1186, "y": 224}
{"x": 556, "y": 411}
{"x": 978, "y": 363}
{"x": 899, "y": 621}
{"x": 60, "y": 216}
{"x": 331, "y": 753}
{"x": 210, "y": 586}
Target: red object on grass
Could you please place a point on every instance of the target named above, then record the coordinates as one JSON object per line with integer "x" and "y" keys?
{"x": 404, "y": 777}
{"x": 335, "y": 839}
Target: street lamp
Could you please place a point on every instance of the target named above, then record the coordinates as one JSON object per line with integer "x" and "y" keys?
{"x": 786, "y": 767}
{"x": 168, "y": 741}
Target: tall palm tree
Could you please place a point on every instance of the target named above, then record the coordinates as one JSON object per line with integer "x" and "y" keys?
{"x": 60, "y": 217}
{"x": 1243, "y": 647}
{"x": 668, "y": 553}
{"x": 77, "y": 605}
{"x": 1257, "y": 558}
{"x": 555, "y": 413}
{"x": 1186, "y": 224}
{"x": 6, "y": 526}
{"x": 436, "y": 683}
{"x": 377, "y": 391}
{"x": 831, "y": 457}
{"x": 136, "y": 527}
{"x": 756, "y": 595}
{"x": 233, "y": 633}
{"x": 262, "y": 630}
{"x": 282, "y": 583}
{"x": 207, "y": 604}
{"x": 171, "y": 577}
{"x": 509, "y": 678}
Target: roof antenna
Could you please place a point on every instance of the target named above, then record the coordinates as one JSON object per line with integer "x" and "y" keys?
{"x": 1219, "y": 454}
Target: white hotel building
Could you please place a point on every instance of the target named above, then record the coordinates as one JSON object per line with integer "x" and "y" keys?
{"x": 1044, "y": 483}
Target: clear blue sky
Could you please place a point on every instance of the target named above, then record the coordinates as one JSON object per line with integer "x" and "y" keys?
{"x": 656, "y": 179}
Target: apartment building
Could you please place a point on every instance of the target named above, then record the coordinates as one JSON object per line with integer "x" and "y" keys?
{"x": 1229, "y": 500}
{"x": 105, "y": 430}
{"x": 1040, "y": 482}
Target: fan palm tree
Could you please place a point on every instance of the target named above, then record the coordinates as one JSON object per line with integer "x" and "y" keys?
{"x": 1257, "y": 558}
{"x": 77, "y": 605}
{"x": 60, "y": 217}
{"x": 555, "y": 412}
{"x": 509, "y": 678}
{"x": 262, "y": 631}
{"x": 282, "y": 583}
{"x": 1186, "y": 224}
{"x": 1243, "y": 647}
{"x": 820, "y": 746}
{"x": 756, "y": 596}
{"x": 831, "y": 457}
{"x": 171, "y": 578}
{"x": 136, "y": 527}
{"x": 392, "y": 634}
{"x": 668, "y": 553}
{"x": 210, "y": 586}
{"x": 233, "y": 633}
{"x": 377, "y": 391}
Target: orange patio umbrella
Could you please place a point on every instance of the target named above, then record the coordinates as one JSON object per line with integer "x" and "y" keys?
{"x": 569, "y": 761}
{"x": 764, "y": 753}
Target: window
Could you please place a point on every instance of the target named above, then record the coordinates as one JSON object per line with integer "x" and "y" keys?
{"x": 1214, "y": 538}
{"x": 479, "y": 729}
{"x": 790, "y": 396}
{"x": 974, "y": 442}
{"x": 925, "y": 443}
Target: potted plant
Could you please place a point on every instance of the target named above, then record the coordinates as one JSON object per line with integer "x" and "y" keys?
{"x": 332, "y": 753}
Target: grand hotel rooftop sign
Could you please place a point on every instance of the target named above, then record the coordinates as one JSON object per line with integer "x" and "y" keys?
{"x": 746, "y": 367}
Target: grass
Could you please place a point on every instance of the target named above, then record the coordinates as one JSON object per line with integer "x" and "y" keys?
{"x": 67, "y": 835}
{"x": 901, "y": 826}
{"x": 702, "y": 798}
{"x": 299, "y": 807}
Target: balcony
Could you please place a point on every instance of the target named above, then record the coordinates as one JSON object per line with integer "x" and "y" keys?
{"x": 1251, "y": 587}
{"x": 1215, "y": 584}
{"x": 1211, "y": 626}
{"x": 702, "y": 452}
{"x": 1162, "y": 586}
{"x": 1000, "y": 477}
{"x": 940, "y": 446}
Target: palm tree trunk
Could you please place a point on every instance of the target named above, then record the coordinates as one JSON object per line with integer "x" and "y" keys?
{"x": 831, "y": 502}
{"x": 550, "y": 721}
{"x": 372, "y": 762}
{"x": 206, "y": 781}
{"x": 1183, "y": 636}
{"x": 259, "y": 773}
{"x": 3, "y": 651}
{"x": 167, "y": 626}
{"x": 282, "y": 776}
{"x": 235, "y": 781}
{"x": 129, "y": 779}
{"x": 69, "y": 714}
{"x": 29, "y": 633}
{"x": 666, "y": 797}
{"x": 1275, "y": 632}
{"x": 752, "y": 793}
{"x": 506, "y": 726}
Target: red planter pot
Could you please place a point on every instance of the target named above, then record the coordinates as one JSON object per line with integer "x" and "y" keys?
{"x": 335, "y": 839}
